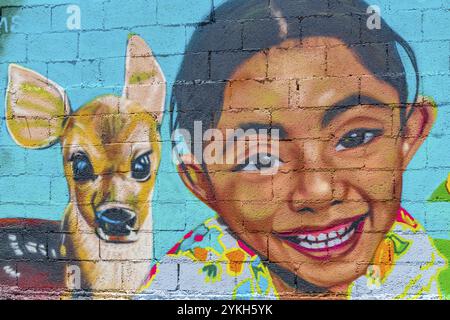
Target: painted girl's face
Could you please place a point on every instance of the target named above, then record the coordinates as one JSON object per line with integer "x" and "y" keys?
{"x": 333, "y": 190}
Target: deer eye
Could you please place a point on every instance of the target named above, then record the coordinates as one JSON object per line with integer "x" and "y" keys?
{"x": 82, "y": 168}
{"x": 140, "y": 167}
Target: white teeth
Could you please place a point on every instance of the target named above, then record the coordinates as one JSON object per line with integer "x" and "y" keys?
{"x": 306, "y": 245}
{"x": 347, "y": 236}
{"x": 332, "y": 235}
{"x": 322, "y": 237}
{"x": 324, "y": 240}
{"x": 334, "y": 243}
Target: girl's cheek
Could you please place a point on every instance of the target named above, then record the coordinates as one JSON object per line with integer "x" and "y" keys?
{"x": 374, "y": 186}
{"x": 384, "y": 215}
{"x": 284, "y": 184}
{"x": 240, "y": 188}
{"x": 246, "y": 203}
{"x": 384, "y": 154}
{"x": 258, "y": 217}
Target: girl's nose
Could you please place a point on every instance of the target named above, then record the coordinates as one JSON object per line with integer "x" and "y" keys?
{"x": 314, "y": 155}
{"x": 313, "y": 187}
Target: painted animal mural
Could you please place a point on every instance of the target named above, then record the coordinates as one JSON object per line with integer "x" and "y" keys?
{"x": 111, "y": 151}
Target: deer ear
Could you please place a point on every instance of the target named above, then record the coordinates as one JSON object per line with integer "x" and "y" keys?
{"x": 144, "y": 80}
{"x": 35, "y": 108}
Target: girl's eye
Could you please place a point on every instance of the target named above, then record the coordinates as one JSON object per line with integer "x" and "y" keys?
{"x": 140, "y": 168}
{"x": 358, "y": 137}
{"x": 263, "y": 163}
{"x": 82, "y": 168}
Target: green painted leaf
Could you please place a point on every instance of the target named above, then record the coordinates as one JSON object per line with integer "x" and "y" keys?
{"x": 443, "y": 245}
{"x": 440, "y": 194}
{"x": 257, "y": 270}
{"x": 400, "y": 245}
{"x": 211, "y": 271}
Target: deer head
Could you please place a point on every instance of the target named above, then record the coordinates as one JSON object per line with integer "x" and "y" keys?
{"x": 111, "y": 146}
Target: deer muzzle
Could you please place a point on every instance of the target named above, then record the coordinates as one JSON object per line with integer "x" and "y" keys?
{"x": 116, "y": 224}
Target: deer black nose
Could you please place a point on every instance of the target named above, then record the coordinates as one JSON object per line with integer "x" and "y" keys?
{"x": 116, "y": 221}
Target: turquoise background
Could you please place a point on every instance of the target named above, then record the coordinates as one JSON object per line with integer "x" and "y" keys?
{"x": 90, "y": 62}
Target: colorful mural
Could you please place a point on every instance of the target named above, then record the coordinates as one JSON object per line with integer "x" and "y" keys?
{"x": 111, "y": 151}
{"x": 298, "y": 157}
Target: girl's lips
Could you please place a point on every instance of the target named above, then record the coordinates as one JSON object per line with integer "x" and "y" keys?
{"x": 326, "y": 240}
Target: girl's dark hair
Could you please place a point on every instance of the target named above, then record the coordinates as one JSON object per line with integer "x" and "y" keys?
{"x": 238, "y": 29}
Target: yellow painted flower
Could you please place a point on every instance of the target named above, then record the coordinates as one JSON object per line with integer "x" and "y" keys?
{"x": 384, "y": 258}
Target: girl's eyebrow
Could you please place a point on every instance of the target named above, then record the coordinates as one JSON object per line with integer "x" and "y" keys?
{"x": 347, "y": 104}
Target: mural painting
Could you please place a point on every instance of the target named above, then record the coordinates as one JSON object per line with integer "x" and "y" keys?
{"x": 111, "y": 151}
{"x": 282, "y": 169}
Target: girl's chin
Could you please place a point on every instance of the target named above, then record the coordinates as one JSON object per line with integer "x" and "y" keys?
{"x": 335, "y": 280}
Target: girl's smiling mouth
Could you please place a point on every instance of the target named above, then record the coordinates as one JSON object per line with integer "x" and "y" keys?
{"x": 326, "y": 242}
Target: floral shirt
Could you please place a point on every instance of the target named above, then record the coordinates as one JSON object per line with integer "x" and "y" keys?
{"x": 209, "y": 262}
